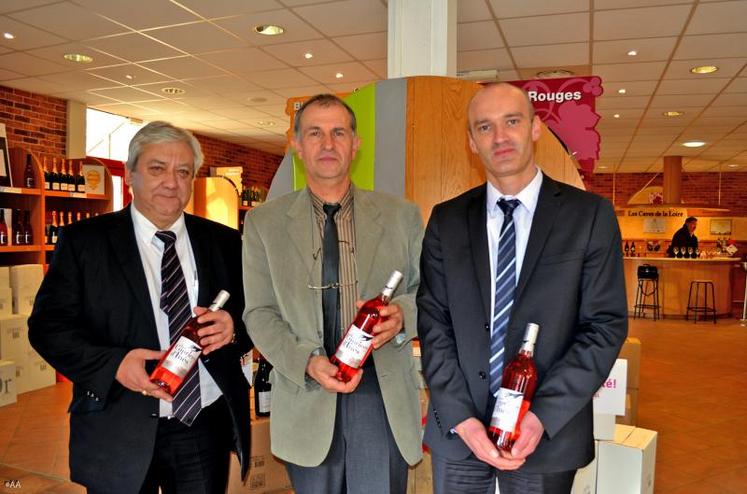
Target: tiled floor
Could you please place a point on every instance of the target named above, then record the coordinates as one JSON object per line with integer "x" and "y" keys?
{"x": 692, "y": 391}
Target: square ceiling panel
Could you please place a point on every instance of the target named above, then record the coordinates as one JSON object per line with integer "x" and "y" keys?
{"x": 369, "y": 17}
{"x": 223, "y": 85}
{"x": 522, "y": 8}
{"x": 648, "y": 49}
{"x": 721, "y": 17}
{"x": 57, "y": 53}
{"x": 352, "y": 72}
{"x": 712, "y": 45}
{"x": 127, "y": 94}
{"x": 483, "y": 59}
{"x": 472, "y": 10}
{"x": 183, "y": 68}
{"x": 30, "y": 66}
{"x": 478, "y": 36}
{"x": 695, "y": 85}
{"x": 243, "y": 61}
{"x": 199, "y": 37}
{"x": 69, "y": 21}
{"x": 369, "y": 46}
{"x": 557, "y": 55}
{"x": 679, "y": 101}
{"x": 278, "y": 79}
{"x": 727, "y": 68}
{"x": 134, "y": 47}
{"x": 26, "y": 37}
{"x": 545, "y": 30}
{"x": 378, "y": 67}
{"x": 640, "y": 23}
{"x": 120, "y": 73}
{"x": 223, "y": 8}
{"x": 295, "y": 27}
{"x": 141, "y": 14}
{"x": 645, "y": 71}
{"x": 322, "y": 51}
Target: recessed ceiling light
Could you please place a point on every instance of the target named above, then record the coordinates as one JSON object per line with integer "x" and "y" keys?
{"x": 257, "y": 99}
{"x": 269, "y": 29}
{"x": 704, "y": 69}
{"x": 616, "y": 115}
{"x": 9, "y": 36}
{"x": 77, "y": 57}
{"x": 733, "y": 165}
{"x": 632, "y": 53}
{"x": 339, "y": 75}
{"x": 308, "y": 55}
{"x": 622, "y": 90}
{"x": 129, "y": 76}
{"x": 693, "y": 144}
{"x": 554, "y": 73}
{"x": 602, "y": 167}
{"x": 173, "y": 90}
{"x": 265, "y": 123}
{"x": 673, "y": 113}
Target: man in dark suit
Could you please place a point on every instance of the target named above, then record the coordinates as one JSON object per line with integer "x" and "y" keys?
{"x": 98, "y": 319}
{"x": 562, "y": 257}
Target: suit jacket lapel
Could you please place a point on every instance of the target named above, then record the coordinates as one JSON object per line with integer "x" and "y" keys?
{"x": 124, "y": 245}
{"x": 478, "y": 233}
{"x": 368, "y": 232}
{"x": 548, "y": 205}
{"x": 300, "y": 228}
{"x": 201, "y": 250}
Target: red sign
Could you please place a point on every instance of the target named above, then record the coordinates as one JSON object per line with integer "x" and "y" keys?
{"x": 567, "y": 107}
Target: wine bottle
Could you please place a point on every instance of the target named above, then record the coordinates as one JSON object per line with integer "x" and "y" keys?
{"x": 69, "y": 217}
{"x": 55, "y": 177}
{"x": 626, "y": 249}
{"x": 61, "y": 219}
{"x": 54, "y": 229}
{"x": 28, "y": 232}
{"x": 3, "y": 228}
{"x": 18, "y": 237}
{"x": 355, "y": 346}
{"x": 632, "y": 249}
{"x": 80, "y": 180}
{"x": 28, "y": 173}
{"x": 47, "y": 175}
{"x": 262, "y": 388}
{"x": 64, "y": 177}
{"x": 515, "y": 395}
{"x": 182, "y": 355}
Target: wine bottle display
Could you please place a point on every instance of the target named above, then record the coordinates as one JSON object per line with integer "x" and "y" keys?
{"x": 355, "y": 346}
{"x": 182, "y": 355}
{"x": 516, "y": 392}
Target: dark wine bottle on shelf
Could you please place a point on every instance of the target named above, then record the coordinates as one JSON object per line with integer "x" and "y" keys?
{"x": 515, "y": 395}
{"x": 80, "y": 180}
{"x": 182, "y": 355}
{"x": 262, "y": 388}
{"x": 55, "y": 176}
{"x": 47, "y": 174}
{"x": 61, "y": 219}
{"x": 626, "y": 249}
{"x": 28, "y": 232}
{"x": 18, "y": 236}
{"x": 69, "y": 217}
{"x": 54, "y": 230}
{"x": 632, "y": 249}
{"x": 28, "y": 173}
{"x": 355, "y": 346}
{"x": 3, "y": 228}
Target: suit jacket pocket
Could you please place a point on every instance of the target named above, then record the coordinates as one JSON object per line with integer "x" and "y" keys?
{"x": 561, "y": 257}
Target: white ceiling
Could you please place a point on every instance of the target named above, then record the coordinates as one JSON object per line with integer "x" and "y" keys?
{"x": 234, "y": 78}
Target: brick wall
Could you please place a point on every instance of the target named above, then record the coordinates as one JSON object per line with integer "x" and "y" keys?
{"x": 259, "y": 166}
{"x": 38, "y": 123}
{"x": 697, "y": 188}
{"x": 33, "y": 121}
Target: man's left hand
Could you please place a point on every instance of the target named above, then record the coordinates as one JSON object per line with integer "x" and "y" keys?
{"x": 392, "y": 320}
{"x": 219, "y": 331}
{"x": 531, "y": 433}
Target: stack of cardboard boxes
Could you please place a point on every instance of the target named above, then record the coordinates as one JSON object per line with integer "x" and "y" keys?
{"x": 21, "y": 368}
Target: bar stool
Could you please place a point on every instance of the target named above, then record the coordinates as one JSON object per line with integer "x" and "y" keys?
{"x": 648, "y": 287}
{"x": 694, "y": 305}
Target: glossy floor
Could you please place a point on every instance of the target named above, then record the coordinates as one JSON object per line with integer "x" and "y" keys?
{"x": 692, "y": 392}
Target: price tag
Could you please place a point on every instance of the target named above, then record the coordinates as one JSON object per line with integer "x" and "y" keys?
{"x": 10, "y": 190}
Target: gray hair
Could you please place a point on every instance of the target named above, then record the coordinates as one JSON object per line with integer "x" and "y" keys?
{"x": 160, "y": 131}
{"x": 325, "y": 101}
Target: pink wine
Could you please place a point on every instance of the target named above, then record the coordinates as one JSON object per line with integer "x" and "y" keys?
{"x": 517, "y": 389}
{"x": 182, "y": 355}
{"x": 355, "y": 346}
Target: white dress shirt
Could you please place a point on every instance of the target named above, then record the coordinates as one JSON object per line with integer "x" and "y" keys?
{"x": 522, "y": 216}
{"x": 151, "y": 252}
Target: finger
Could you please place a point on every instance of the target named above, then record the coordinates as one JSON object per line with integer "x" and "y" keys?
{"x": 359, "y": 303}
{"x": 160, "y": 394}
{"x": 146, "y": 354}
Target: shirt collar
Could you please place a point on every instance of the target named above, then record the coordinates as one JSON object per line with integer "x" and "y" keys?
{"x": 528, "y": 196}
{"x": 145, "y": 230}
{"x": 346, "y": 203}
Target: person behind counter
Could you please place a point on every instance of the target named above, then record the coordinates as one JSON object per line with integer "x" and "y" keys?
{"x": 684, "y": 238}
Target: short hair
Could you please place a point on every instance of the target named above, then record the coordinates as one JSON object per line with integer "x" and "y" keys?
{"x": 160, "y": 131}
{"x": 690, "y": 219}
{"x": 325, "y": 101}
{"x": 505, "y": 84}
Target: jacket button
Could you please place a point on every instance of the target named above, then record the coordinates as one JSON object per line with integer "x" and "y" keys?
{"x": 487, "y": 327}
{"x": 482, "y": 375}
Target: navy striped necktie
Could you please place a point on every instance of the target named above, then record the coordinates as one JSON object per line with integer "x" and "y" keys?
{"x": 175, "y": 303}
{"x": 505, "y": 284}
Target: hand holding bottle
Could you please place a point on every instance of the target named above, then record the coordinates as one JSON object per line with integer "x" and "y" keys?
{"x": 531, "y": 433}
{"x": 392, "y": 321}
{"x": 475, "y": 436}
{"x": 131, "y": 373}
{"x": 219, "y": 330}
{"x": 320, "y": 369}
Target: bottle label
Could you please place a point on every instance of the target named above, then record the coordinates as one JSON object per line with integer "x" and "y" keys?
{"x": 55, "y": 186}
{"x": 182, "y": 356}
{"x": 506, "y": 411}
{"x": 354, "y": 347}
{"x": 264, "y": 401}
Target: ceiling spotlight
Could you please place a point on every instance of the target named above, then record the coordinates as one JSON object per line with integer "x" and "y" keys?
{"x": 339, "y": 75}
{"x": 602, "y": 167}
{"x": 632, "y": 53}
{"x": 733, "y": 165}
{"x": 9, "y": 36}
{"x": 693, "y": 144}
{"x": 554, "y": 73}
{"x": 257, "y": 99}
{"x": 129, "y": 76}
{"x": 622, "y": 90}
{"x": 704, "y": 69}
{"x": 77, "y": 57}
{"x": 308, "y": 55}
{"x": 269, "y": 29}
{"x": 673, "y": 113}
{"x": 173, "y": 90}
{"x": 616, "y": 115}
{"x": 266, "y": 123}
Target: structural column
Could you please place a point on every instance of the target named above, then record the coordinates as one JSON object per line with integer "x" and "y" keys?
{"x": 672, "y": 179}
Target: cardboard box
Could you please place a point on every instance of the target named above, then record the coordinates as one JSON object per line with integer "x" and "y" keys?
{"x": 5, "y": 274}
{"x": 22, "y": 384}
{"x": 631, "y": 408}
{"x": 14, "y": 338}
{"x": 26, "y": 275}
{"x": 585, "y": 481}
{"x": 626, "y": 465}
{"x": 23, "y": 299}
{"x": 631, "y": 351}
{"x": 8, "y": 391}
{"x": 420, "y": 477}
{"x": 6, "y": 301}
{"x": 604, "y": 426}
{"x": 39, "y": 374}
{"x": 266, "y": 473}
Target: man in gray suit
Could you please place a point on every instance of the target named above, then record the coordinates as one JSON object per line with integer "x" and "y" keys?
{"x": 355, "y": 437}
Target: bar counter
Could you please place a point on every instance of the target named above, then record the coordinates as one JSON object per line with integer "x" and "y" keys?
{"x": 675, "y": 276}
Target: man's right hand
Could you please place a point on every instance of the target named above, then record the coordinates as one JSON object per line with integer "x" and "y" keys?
{"x": 320, "y": 369}
{"x": 476, "y": 438}
{"x": 131, "y": 373}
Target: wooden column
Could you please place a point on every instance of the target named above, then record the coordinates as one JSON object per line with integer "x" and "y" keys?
{"x": 672, "y": 179}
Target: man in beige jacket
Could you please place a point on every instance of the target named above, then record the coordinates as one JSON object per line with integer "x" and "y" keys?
{"x": 355, "y": 437}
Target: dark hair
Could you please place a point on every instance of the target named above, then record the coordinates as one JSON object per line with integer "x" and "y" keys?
{"x": 325, "y": 101}
{"x": 690, "y": 219}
